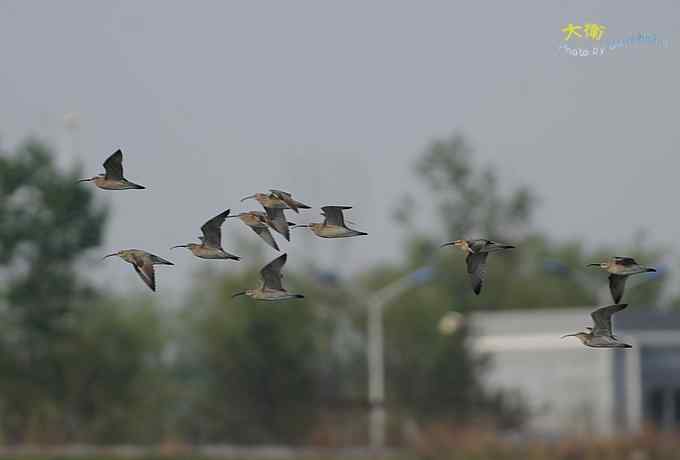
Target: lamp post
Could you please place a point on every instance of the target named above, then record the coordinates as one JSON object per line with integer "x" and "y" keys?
{"x": 375, "y": 349}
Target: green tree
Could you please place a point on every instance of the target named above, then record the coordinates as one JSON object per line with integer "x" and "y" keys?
{"x": 252, "y": 366}
{"x": 74, "y": 364}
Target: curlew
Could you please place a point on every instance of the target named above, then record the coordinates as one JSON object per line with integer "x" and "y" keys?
{"x": 271, "y": 289}
{"x": 477, "y": 251}
{"x": 113, "y": 179}
{"x": 333, "y": 225}
{"x": 601, "y": 336}
{"x": 143, "y": 263}
{"x": 211, "y": 241}
{"x": 619, "y": 269}
{"x": 259, "y": 222}
{"x": 277, "y": 199}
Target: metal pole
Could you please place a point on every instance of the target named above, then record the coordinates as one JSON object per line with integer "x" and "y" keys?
{"x": 375, "y": 350}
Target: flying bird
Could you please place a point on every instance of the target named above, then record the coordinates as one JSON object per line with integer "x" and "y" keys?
{"x": 333, "y": 225}
{"x": 271, "y": 289}
{"x": 477, "y": 251}
{"x": 260, "y": 222}
{"x": 601, "y": 336}
{"x": 277, "y": 199}
{"x": 143, "y": 263}
{"x": 211, "y": 241}
{"x": 113, "y": 178}
{"x": 620, "y": 268}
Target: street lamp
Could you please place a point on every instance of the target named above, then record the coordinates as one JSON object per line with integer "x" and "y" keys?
{"x": 375, "y": 348}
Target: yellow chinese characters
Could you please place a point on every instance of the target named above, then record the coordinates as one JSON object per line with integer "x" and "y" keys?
{"x": 591, "y": 30}
{"x": 594, "y": 31}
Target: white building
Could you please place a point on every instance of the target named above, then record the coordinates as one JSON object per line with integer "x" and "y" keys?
{"x": 573, "y": 388}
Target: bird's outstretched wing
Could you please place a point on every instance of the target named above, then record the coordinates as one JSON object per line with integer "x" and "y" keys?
{"x": 617, "y": 284}
{"x": 602, "y": 319}
{"x": 114, "y": 166}
{"x": 476, "y": 267}
{"x": 333, "y": 215}
{"x": 278, "y": 221}
{"x": 159, "y": 260}
{"x": 212, "y": 230}
{"x": 146, "y": 272}
{"x": 266, "y": 235}
{"x": 271, "y": 273}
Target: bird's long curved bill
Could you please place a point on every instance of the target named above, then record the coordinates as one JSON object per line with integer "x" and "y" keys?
{"x": 248, "y": 197}
{"x": 83, "y": 180}
{"x": 180, "y": 246}
{"x": 593, "y": 265}
{"x": 110, "y": 255}
{"x": 568, "y": 335}
{"x": 450, "y": 243}
{"x": 299, "y": 225}
{"x": 236, "y": 294}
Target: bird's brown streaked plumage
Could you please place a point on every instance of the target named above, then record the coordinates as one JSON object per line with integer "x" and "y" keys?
{"x": 333, "y": 225}
{"x": 113, "y": 178}
{"x": 211, "y": 241}
{"x": 272, "y": 287}
{"x": 619, "y": 269}
{"x": 143, "y": 263}
{"x": 477, "y": 251}
{"x": 601, "y": 335}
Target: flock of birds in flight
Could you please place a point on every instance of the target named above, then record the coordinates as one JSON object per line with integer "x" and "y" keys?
{"x": 276, "y": 202}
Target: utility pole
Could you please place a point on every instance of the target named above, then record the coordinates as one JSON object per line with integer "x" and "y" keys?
{"x": 375, "y": 352}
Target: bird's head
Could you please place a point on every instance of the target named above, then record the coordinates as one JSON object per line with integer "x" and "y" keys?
{"x": 189, "y": 246}
{"x": 119, "y": 253}
{"x": 247, "y": 292}
{"x": 460, "y": 244}
{"x": 582, "y": 336}
{"x": 313, "y": 226}
{"x": 258, "y": 196}
{"x": 604, "y": 265}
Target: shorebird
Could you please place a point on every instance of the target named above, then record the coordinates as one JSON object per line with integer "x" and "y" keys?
{"x": 271, "y": 289}
{"x": 477, "y": 250}
{"x": 277, "y": 199}
{"x": 259, "y": 221}
{"x": 620, "y": 268}
{"x": 601, "y": 335}
{"x": 113, "y": 179}
{"x": 143, "y": 263}
{"x": 333, "y": 225}
{"x": 211, "y": 241}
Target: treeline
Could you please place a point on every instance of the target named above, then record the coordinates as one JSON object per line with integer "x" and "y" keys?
{"x": 80, "y": 365}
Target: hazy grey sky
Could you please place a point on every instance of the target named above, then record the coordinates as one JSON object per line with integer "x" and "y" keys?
{"x": 334, "y": 101}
